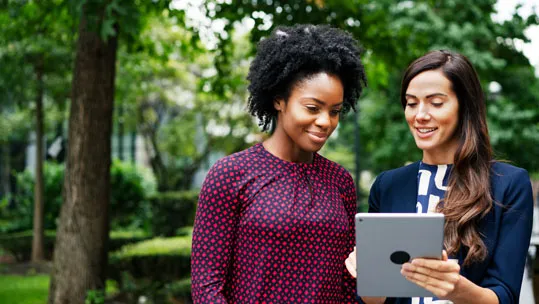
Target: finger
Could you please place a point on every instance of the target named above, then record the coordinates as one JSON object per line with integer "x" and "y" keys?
{"x": 424, "y": 274}
{"x": 436, "y": 265}
{"x": 439, "y": 292}
{"x": 351, "y": 267}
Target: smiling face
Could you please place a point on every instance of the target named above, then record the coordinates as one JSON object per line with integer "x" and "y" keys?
{"x": 432, "y": 114}
{"x": 309, "y": 116}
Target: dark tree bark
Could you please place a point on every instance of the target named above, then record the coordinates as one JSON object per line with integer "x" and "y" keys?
{"x": 38, "y": 254}
{"x": 80, "y": 259}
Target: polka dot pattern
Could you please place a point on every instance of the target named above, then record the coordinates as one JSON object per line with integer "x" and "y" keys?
{"x": 271, "y": 231}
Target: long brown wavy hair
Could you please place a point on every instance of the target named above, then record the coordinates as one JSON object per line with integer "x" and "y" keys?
{"x": 468, "y": 197}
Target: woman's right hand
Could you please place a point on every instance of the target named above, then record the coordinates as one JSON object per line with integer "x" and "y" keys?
{"x": 350, "y": 263}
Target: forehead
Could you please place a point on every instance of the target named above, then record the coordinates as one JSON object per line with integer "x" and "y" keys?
{"x": 429, "y": 82}
{"x": 324, "y": 86}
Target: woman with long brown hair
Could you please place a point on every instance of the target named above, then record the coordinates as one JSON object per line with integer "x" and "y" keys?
{"x": 487, "y": 204}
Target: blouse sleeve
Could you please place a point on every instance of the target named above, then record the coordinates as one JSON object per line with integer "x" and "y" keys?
{"x": 505, "y": 272}
{"x": 214, "y": 234}
{"x": 350, "y": 202}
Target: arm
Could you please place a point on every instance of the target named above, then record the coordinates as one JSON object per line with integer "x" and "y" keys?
{"x": 374, "y": 206}
{"x": 504, "y": 274}
{"x": 214, "y": 235}
{"x": 349, "y": 198}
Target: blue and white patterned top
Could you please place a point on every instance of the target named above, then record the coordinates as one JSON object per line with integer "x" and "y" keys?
{"x": 432, "y": 184}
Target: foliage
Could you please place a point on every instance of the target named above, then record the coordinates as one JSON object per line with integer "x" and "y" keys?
{"x": 21, "y": 214}
{"x": 130, "y": 185}
{"x": 383, "y": 28}
{"x": 173, "y": 210}
{"x": 146, "y": 268}
{"x": 130, "y": 188}
{"x": 19, "y": 244}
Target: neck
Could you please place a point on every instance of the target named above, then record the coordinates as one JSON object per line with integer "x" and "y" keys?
{"x": 283, "y": 147}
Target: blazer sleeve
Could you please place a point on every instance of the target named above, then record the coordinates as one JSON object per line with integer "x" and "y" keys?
{"x": 374, "y": 195}
{"x": 505, "y": 272}
{"x": 214, "y": 235}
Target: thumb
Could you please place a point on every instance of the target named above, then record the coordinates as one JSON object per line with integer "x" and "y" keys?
{"x": 444, "y": 255}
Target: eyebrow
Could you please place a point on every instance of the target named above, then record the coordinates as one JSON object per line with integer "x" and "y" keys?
{"x": 428, "y": 96}
{"x": 322, "y": 102}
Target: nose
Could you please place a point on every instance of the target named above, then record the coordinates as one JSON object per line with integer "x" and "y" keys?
{"x": 323, "y": 120}
{"x": 422, "y": 112}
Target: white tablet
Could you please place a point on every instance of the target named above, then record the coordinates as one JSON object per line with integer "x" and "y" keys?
{"x": 385, "y": 241}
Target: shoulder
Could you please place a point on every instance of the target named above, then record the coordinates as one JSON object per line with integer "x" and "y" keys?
{"x": 511, "y": 185}
{"x": 235, "y": 163}
{"x": 506, "y": 174}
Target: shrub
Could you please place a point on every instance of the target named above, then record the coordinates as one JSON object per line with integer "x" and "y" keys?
{"x": 130, "y": 188}
{"x": 149, "y": 267}
{"x": 19, "y": 244}
{"x": 20, "y": 215}
{"x": 172, "y": 211}
{"x": 159, "y": 259}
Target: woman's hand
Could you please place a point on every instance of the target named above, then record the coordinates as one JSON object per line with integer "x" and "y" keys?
{"x": 350, "y": 263}
{"x": 441, "y": 277}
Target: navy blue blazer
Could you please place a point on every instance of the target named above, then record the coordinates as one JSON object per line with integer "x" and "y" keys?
{"x": 506, "y": 230}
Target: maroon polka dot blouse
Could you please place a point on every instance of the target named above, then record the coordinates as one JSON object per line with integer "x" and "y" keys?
{"x": 272, "y": 231}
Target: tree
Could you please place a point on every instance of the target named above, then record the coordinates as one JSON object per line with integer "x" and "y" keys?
{"x": 80, "y": 257}
{"x": 38, "y": 45}
{"x": 393, "y": 34}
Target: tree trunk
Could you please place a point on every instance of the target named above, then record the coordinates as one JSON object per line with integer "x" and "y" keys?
{"x": 80, "y": 259}
{"x": 38, "y": 233}
{"x": 120, "y": 132}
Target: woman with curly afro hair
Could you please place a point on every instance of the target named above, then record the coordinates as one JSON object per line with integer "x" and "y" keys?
{"x": 274, "y": 222}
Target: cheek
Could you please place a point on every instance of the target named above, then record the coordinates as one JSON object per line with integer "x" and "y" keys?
{"x": 409, "y": 117}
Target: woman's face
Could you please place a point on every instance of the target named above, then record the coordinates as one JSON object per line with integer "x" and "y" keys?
{"x": 432, "y": 114}
{"x": 311, "y": 113}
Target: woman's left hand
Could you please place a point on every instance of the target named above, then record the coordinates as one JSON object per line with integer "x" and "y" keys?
{"x": 441, "y": 277}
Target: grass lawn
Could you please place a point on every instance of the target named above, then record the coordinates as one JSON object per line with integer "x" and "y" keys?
{"x": 16, "y": 289}
{"x": 30, "y": 289}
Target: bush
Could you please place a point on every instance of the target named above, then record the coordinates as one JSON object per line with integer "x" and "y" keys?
{"x": 19, "y": 244}
{"x": 158, "y": 259}
{"x": 20, "y": 215}
{"x": 172, "y": 211}
{"x": 147, "y": 268}
{"x": 130, "y": 188}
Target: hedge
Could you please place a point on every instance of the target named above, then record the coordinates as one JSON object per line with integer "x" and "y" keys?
{"x": 19, "y": 244}
{"x": 173, "y": 210}
{"x": 158, "y": 259}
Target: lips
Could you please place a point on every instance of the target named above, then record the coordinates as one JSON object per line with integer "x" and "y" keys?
{"x": 319, "y": 137}
{"x": 424, "y": 132}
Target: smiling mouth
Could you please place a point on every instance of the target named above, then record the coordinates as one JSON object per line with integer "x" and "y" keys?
{"x": 425, "y": 130}
{"x": 318, "y": 136}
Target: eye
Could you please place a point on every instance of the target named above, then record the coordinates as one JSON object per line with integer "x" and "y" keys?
{"x": 411, "y": 104}
{"x": 312, "y": 109}
{"x": 336, "y": 112}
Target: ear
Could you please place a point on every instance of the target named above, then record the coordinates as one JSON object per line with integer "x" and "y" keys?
{"x": 278, "y": 104}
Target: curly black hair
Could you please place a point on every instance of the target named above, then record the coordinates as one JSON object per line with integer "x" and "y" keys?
{"x": 291, "y": 55}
